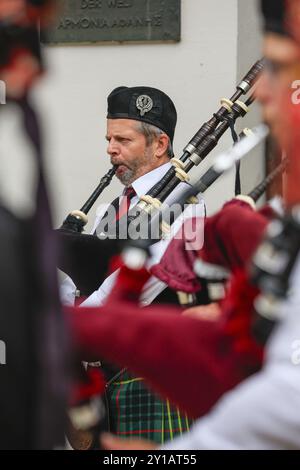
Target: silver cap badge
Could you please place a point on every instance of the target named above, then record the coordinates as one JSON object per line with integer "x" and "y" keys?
{"x": 144, "y": 104}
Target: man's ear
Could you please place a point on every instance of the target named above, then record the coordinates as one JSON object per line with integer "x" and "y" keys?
{"x": 162, "y": 144}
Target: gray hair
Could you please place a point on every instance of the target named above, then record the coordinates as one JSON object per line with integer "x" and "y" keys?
{"x": 151, "y": 132}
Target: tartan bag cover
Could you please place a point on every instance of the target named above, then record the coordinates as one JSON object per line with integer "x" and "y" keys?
{"x": 137, "y": 412}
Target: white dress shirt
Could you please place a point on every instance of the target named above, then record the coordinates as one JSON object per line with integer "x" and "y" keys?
{"x": 264, "y": 411}
{"x": 154, "y": 286}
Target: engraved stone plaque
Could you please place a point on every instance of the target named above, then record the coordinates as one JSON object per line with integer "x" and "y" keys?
{"x": 86, "y": 21}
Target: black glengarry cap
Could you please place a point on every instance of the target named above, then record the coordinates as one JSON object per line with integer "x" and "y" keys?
{"x": 144, "y": 104}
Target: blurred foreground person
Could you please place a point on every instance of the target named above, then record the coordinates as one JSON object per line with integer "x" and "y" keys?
{"x": 32, "y": 370}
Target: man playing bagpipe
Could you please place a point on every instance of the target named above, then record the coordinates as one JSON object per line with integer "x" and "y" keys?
{"x": 140, "y": 129}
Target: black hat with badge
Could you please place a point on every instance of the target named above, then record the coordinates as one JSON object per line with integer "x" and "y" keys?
{"x": 144, "y": 104}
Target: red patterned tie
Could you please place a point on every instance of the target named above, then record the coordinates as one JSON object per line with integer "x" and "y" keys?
{"x": 128, "y": 194}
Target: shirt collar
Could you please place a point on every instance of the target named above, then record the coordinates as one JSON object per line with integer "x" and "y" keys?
{"x": 142, "y": 184}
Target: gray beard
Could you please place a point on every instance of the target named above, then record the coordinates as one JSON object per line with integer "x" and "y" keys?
{"x": 130, "y": 174}
{"x": 127, "y": 178}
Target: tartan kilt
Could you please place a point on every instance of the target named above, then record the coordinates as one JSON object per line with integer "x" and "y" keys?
{"x": 136, "y": 412}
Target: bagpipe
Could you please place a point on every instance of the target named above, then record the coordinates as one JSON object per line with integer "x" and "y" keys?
{"x": 260, "y": 189}
{"x": 77, "y": 219}
{"x": 136, "y": 252}
{"x": 84, "y": 257}
{"x": 222, "y": 163}
{"x": 122, "y": 308}
{"x": 204, "y": 141}
{"x": 150, "y": 208}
